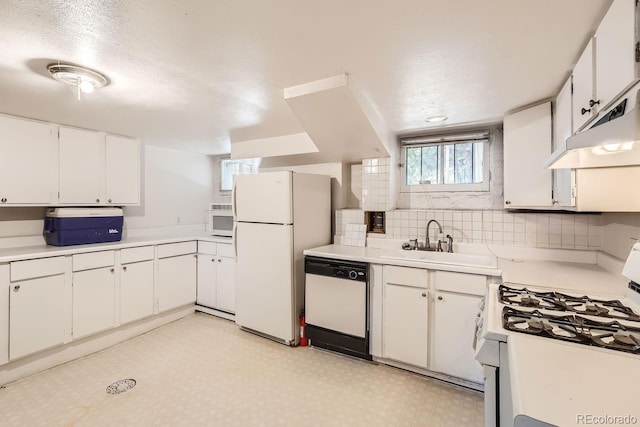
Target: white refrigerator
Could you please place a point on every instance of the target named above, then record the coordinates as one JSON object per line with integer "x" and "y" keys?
{"x": 277, "y": 215}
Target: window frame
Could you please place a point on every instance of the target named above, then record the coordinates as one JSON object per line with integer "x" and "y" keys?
{"x": 442, "y": 140}
{"x": 220, "y": 168}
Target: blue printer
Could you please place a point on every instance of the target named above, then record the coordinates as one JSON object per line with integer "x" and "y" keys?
{"x": 79, "y": 226}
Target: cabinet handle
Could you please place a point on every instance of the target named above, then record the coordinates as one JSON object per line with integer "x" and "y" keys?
{"x": 440, "y": 298}
{"x": 593, "y": 102}
{"x": 109, "y": 200}
{"x": 507, "y": 202}
{"x": 213, "y": 260}
{"x": 219, "y": 259}
{"x": 585, "y": 111}
{"x": 424, "y": 294}
{"x": 4, "y": 200}
{"x": 97, "y": 200}
{"x": 124, "y": 268}
{"x": 16, "y": 288}
{"x": 112, "y": 270}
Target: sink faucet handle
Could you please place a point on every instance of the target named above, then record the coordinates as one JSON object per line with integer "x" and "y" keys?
{"x": 449, "y": 243}
{"x": 414, "y": 243}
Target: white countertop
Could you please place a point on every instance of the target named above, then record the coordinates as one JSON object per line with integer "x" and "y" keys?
{"x": 569, "y": 276}
{"x": 376, "y": 256}
{"x": 40, "y": 251}
{"x": 556, "y": 382}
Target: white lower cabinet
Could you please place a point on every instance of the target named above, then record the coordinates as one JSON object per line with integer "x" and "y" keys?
{"x": 226, "y": 292}
{"x": 37, "y": 315}
{"x": 4, "y": 313}
{"x": 176, "y": 281}
{"x": 207, "y": 286}
{"x": 136, "y": 291}
{"x": 452, "y": 334}
{"x": 216, "y": 276}
{"x": 93, "y": 301}
{"x": 405, "y": 315}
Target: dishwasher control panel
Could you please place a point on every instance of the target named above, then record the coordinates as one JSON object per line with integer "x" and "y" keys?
{"x": 350, "y": 270}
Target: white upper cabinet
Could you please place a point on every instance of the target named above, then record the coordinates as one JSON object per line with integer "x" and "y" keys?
{"x": 82, "y": 167}
{"x": 563, "y": 129}
{"x": 584, "y": 88}
{"x": 29, "y": 162}
{"x": 527, "y": 147}
{"x": 98, "y": 170}
{"x": 122, "y": 170}
{"x": 607, "y": 66}
{"x": 615, "y": 51}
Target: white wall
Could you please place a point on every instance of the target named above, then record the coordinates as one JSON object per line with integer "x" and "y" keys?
{"x": 175, "y": 184}
{"x": 619, "y": 232}
{"x": 177, "y": 187}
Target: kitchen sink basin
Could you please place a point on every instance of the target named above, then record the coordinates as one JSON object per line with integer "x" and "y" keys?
{"x": 471, "y": 260}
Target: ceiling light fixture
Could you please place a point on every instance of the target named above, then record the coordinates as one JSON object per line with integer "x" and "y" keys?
{"x": 78, "y": 78}
{"x": 436, "y": 119}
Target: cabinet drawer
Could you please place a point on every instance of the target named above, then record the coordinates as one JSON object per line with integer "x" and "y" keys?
{"x": 226, "y": 250}
{"x": 473, "y": 284}
{"x": 208, "y": 248}
{"x": 175, "y": 249}
{"x": 22, "y": 270}
{"x": 93, "y": 260}
{"x": 143, "y": 253}
{"x": 406, "y": 276}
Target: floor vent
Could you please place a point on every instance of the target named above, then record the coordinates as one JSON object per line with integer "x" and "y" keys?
{"x": 121, "y": 386}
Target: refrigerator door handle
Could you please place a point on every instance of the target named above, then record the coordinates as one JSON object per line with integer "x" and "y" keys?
{"x": 234, "y": 240}
{"x": 234, "y": 209}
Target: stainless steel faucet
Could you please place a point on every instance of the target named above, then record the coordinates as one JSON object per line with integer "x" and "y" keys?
{"x": 427, "y": 243}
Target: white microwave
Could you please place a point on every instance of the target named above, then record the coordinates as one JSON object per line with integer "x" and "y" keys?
{"x": 220, "y": 219}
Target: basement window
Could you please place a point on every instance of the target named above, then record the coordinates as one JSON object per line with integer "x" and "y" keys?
{"x": 231, "y": 167}
{"x": 457, "y": 162}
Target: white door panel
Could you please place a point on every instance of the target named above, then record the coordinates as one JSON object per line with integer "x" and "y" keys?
{"x": 336, "y": 304}
{"x": 264, "y": 197}
{"x": 207, "y": 285}
{"x": 82, "y": 172}
{"x": 264, "y": 279}
{"x": 226, "y": 289}
{"x": 122, "y": 170}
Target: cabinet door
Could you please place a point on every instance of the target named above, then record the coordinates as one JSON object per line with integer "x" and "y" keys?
{"x": 452, "y": 332}
{"x": 176, "y": 281}
{"x": 527, "y": 147}
{"x": 37, "y": 315}
{"x": 615, "y": 51}
{"x": 93, "y": 301}
{"x": 29, "y": 162}
{"x": 404, "y": 333}
{"x": 562, "y": 130}
{"x": 583, "y": 88}
{"x": 136, "y": 291}
{"x": 122, "y": 170}
{"x": 207, "y": 281}
{"x": 82, "y": 172}
{"x": 226, "y": 289}
{"x": 4, "y": 313}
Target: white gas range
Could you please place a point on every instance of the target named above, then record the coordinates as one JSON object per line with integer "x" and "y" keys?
{"x": 556, "y": 358}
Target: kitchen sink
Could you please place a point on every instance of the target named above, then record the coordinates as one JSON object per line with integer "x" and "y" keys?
{"x": 472, "y": 260}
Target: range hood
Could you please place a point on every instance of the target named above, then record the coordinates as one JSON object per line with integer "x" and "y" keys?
{"x": 612, "y": 141}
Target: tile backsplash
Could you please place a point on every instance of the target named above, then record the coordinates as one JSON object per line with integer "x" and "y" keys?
{"x": 543, "y": 230}
{"x": 376, "y": 194}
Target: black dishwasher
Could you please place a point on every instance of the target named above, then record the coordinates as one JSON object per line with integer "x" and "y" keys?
{"x": 337, "y": 305}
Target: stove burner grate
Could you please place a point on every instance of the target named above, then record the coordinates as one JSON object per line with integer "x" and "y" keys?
{"x": 558, "y": 301}
{"x": 573, "y": 328}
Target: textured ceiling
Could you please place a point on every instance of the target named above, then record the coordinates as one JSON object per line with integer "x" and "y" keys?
{"x": 197, "y": 75}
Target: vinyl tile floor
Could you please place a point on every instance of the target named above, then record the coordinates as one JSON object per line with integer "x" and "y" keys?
{"x": 205, "y": 371}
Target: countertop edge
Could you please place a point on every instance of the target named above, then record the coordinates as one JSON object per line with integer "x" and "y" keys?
{"x": 44, "y": 251}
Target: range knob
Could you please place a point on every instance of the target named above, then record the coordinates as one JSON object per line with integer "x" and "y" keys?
{"x": 353, "y": 274}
